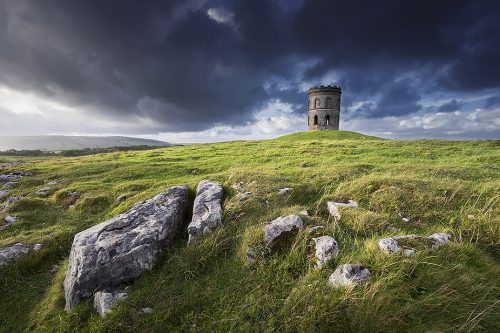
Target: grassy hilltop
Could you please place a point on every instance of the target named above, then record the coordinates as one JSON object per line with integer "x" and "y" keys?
{"x": 441, "y": 186}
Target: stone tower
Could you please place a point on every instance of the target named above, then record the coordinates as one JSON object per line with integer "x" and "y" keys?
{"x": 324, "y": 108}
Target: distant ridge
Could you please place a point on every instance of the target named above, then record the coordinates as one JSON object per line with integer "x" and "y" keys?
{"x": 64, "y": 142}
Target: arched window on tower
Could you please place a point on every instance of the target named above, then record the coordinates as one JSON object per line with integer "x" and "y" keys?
{"x": 316, "y": 120}
{"x": 329, "y": 103}
{"x": 327, "y": 120}
{"x": 317, "y": 103}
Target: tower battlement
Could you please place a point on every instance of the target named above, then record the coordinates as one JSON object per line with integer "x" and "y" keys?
{"x": 324, "y": 107}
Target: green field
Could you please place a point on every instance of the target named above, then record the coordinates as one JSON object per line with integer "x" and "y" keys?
{"x": 441, "y": 186}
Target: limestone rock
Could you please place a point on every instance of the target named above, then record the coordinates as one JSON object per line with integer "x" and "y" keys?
{"x": 13, "y": 175}
{"x": 9, "y": 201}
{"x": 333, "y": 208}
{"x": 207, "y": 209}
{"x": 316, "y": 229}
{"x": 304, "y": 212}
{"x": 4, "y": 193}
{"x": 121, "y": 198}
{"x": 326, "y": 248}
{"x": 123, "y": 247}
{"x": 73, "y": 197}
{"x": 43, "y": 191}
{"x": 37, "y": 247}
{"x": 10, "y": 221}
{"x": 391, "y": 245}
{"x": 348, "y": 275}
{"x": 104, "y": 300}
{"x": 282, "y": 227}
{"x": 146, "y": 311}
{"x": 439, "y": 239}
{"x": 250, "y": 255}
{"x": 285, "y": 191}
{"x": 7, "y": 254}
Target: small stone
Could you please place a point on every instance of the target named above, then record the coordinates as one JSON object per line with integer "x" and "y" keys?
{"x": 43, "y": 191}
{"x": 50, "y": 182}
{"x": 439, "y": 239}
{"x": 10, "y": 219}
{"x": 104, "y": 301}
{"x": 304, "y": 212}
{"x": 316, "y": 229}
{"x": 194, "y": 171}
{"x": 37, "y": 247}
{"x": 471, "y": 216}
{"x": 282, "y": 227}
{"x": 285, "y": 191}
{"x": 54, "y": 269}
{"x": 389, "y": 245}
{"x": 250, "y": 255}
{"x": 146, "y": 310}
{"x": 326, "y": 248}
{"x": 121, "y": 198}
{"x": 73, "y": 197}
{"x": 333, "y": 208}
{"x": 348, "y": 275}
{"x": 405, "y": 219}
{"x": 4, "y": 193}
{"x": 7, "y": 254}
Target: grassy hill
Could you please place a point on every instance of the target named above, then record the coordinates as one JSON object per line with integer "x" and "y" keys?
{"x": 64, "y": 142}
{"x": 441, "y": 186}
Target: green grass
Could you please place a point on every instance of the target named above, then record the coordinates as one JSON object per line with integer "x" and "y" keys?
{"x": 441, "y": 186}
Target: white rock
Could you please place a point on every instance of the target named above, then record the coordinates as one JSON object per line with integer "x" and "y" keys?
{"x": 285, "y": 191}
{"x": 439, "y": 239}
{"x": 281, "y": 227}
{"x": 348, "y": 275}
{"x": 315, "y": 229}
{"x": 7, "y": 254}
{"x": 304, "y": 212}
{"x": 120, "y": 249}
{"x": 334, "y": 211}
{"x": 207, "y": 209}
{"x": 389, "y": 245}
{"x": 10, "y": 219}
{"x": 326, "y": 248}
{"x": 37, "y": 247}
{"x": 405, "y": 219}
{"x": 121, "y": 198}
{"x": 471, "y": 216}
{"x": 146, "y": 310}
{"x": 104, "y": 301}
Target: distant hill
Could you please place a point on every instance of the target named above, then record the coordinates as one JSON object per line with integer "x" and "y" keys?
{"x": 63, "y": 142}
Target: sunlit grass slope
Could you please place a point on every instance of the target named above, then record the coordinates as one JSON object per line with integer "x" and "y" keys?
{"x": 441, "y": 186}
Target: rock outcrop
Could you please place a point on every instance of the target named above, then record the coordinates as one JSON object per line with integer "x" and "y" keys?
{"x": 13, "y": 176}
{"x": 207, "y": 209}
{"x": 282, "y": 227}
{"x": 7, "y": 254}
{"x": 326, "y": 248}
{"x": 333, "y": 208}
{"x": 104, "y": 300}
{"x": 120, "y": 249}
{"x": 398, "y": 244}
{"x": 348, "y": 275}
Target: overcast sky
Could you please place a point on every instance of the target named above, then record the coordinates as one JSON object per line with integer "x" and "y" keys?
{"x": 201, "y": 70}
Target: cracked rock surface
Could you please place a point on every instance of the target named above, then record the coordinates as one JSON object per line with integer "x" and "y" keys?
{"x": 348, "y": 275}
{"x": 123, "y": 247}
{"x": 207, "y": 209}
{"x": 7, "y": 254}
{"x": 282, "y": 227}
{"x": 326, "y": 248}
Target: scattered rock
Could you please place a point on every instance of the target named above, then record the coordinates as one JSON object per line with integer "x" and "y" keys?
{"x": 10, "y": 221}
{"x": 50, "y": 182}
{"x": 194, "y": 171}
{"x": 439, "y": 239}
{"x": 37, "y": 247}
{"x": 391, "y": 245}
{"x": 9, "y": 201}
{"x": 282, "y": 227}
{"x": 54, "y": 269}
{"x": 43, "y": 191}
{"x": 8, "y": 185}
{"x": 104, "y": 301}
{"x": 13, "y": 175}
{"x": 304, "y": 212}
{"x": 285, "y": 191}
{"x": 7, "y": 254}
{"x": 403, "y": 217}
{"x": 243, "y": 196}
{"x": 316, "y": 229}
{"x": 146, "y": 310}
{"x": 326, "y": 248}
{"x": 333, "y": 208}
{"x": 348, "y": 275}
{"x": 73, "y": 197}
{"x": 4, "y": 193}
{"x": 250, "y": 255}
{"x": 123, "y": 247}
{"x": 121, "y": 198}
{"x": 207, "y": 209}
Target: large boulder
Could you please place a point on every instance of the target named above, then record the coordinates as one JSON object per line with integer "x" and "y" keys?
{"x": 7, "y": 254}
{"x": 120, "y": 249}
{"x": 207, "y": 209}
{"x": 348, "y": 275}
{"x": 104, "y": 300}
{"x": 326, "y": 248}
{"x": 282, "y": 227}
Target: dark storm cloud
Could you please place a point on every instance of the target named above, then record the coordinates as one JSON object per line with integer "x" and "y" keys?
{"x": 170, "y": 62}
